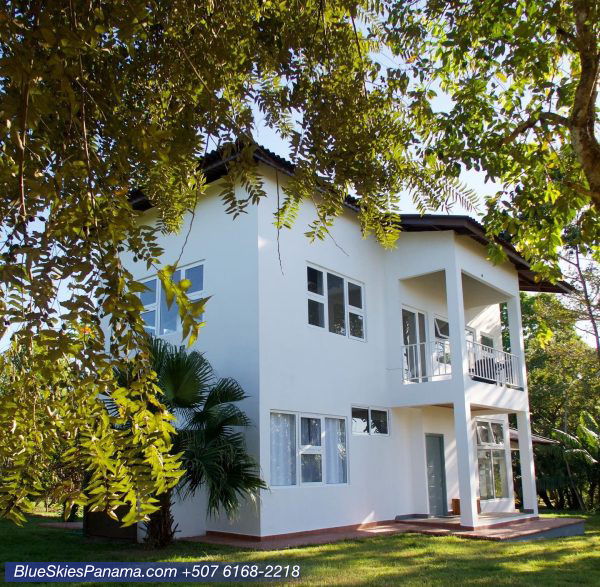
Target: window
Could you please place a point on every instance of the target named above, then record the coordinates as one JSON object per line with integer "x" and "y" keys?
{"x": 369, "y": 421}
{"x": 157, "y": 317}
{"x": 336, "y": 302}
{"x": 314, "y": 445}
{"x": 414, "y": 337}
{"x": 335, "y": 450}
{"x": 311, "y": 457}
{"x": 283, "y": 449}
{"x": 487, "y": 341}
{"x": 442, "y": 330}
{"x": 491, "y": 456}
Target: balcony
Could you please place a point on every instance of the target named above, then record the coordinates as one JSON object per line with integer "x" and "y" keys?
{"x": 430, "y": 361}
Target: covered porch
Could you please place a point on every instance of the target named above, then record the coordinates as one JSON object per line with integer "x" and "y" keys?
{"x": 461, "y": 328}
{"x": 460, "y": 464}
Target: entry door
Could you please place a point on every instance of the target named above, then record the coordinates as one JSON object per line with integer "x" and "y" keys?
{"x": 436, "y": 474}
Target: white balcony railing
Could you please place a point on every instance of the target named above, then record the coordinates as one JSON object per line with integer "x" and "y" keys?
{"x": 426, "y": 361}
{"x": 430, "y": 361}
{"x": 493, "y": 366}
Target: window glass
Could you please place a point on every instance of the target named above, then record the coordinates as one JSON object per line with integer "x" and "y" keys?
{"x": 483, "y": 433}
{"x": 311, "y": 466}
{"x": 169, "y": 317}
{"x": 486, "y": 484}
{"x": 283, "y": 449}
{"x": 335, "y": 304}
{"x": 316, "y": 313}
{"x": 148, "y": 297}
{"x": 487, "y": 341}
{"x": 409, "y": 327}
{"x": 335, "y": 450}
{"x": 493, "y": 479}
{"x": 360, "y": 421}
{"x": 356, "y": 325}
{"x": 442, "y": 329}
{"x": 310, "y": 431}
{"x": 196, "y": 277}
{"x": 149, "y": 319}
{"x": 499, "y": 469}
{"x": 355, "y": 295}
{"x": 379, "y": 422}
{"x": 497, "y": 433}
{"x": 314, "y": 279}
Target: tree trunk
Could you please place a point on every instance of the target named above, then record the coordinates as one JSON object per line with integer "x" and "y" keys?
{"x": 544, "y": 495}
{"x": 160, "y": 529}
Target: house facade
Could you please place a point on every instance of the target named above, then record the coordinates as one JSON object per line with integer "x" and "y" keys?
{"x": 379, "y": 382}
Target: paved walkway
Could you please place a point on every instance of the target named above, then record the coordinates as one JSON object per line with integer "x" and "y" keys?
{"x": 63, "y": 525}
{"x": 519, "y": 530}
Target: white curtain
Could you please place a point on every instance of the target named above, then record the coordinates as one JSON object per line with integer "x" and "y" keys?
{"x": 283, "y": 449}
{"x": 335, "y": 450}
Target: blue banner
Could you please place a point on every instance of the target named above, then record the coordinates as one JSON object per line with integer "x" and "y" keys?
{"x": 197, "y": 572}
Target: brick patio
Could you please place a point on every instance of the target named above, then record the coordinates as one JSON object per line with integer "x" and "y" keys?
{"x": 517, "y": 530}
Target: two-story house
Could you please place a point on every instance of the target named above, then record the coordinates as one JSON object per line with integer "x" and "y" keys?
{"x": 378, "y": 380}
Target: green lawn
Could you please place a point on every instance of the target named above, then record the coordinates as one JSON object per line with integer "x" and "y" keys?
{"x": 406, "y": 558}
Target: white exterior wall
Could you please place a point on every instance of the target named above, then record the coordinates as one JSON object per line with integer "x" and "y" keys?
{"x": 305, "y": 369}
{"x": 257, "y": 332}
{"x": 230, "y": 338}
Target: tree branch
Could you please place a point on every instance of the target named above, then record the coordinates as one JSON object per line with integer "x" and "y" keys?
{"x": 548, "y": 117}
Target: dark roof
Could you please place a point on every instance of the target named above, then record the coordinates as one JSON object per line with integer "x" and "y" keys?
{"x": 470, "y": 227}
{"x": 535, "y": 439}
{"x": 215, "y": 166}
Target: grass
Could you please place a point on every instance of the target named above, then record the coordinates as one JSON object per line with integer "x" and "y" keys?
{"x": 406, "y": 558}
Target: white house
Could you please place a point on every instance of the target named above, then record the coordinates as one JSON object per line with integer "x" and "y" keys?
{"x": 378, "y": 383}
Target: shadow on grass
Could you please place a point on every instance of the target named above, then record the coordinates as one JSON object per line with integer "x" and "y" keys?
{"x": 404, "y": 558}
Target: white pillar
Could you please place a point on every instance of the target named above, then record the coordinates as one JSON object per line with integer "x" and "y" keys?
{"x": 526, "y": 460}
{"x": 456, "y": 323}
{"x": 515, "y": 329}
{"x": 466, "y": 459}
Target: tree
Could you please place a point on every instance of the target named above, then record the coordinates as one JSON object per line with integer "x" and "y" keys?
{"x": 103, "y": 98}
{"x": 520, "y": 79}
{"x": 583, "y": 449}
{"x": 562, "y": 369}
{"x": 583, "y": 273}
{"x": 209, "y": 436}
{"x": 100, "y": 99}
{"x": 564, "y": 383}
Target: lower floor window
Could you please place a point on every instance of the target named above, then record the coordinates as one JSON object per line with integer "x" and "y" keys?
{"x": 313, "y": 445}
{"x": 491, "y": 457}
{"x": 493, "y": 483}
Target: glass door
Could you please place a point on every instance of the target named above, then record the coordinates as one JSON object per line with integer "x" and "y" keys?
{"x": 414, "y": 338}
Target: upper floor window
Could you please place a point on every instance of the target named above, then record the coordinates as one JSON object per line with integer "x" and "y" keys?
{"x": 336, "y": 302}
{"x": 160, "y": 319}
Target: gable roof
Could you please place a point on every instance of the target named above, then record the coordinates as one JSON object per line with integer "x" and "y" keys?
{"x": 215, "y": 166}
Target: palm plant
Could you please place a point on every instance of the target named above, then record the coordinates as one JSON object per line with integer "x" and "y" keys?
{"x": 209, "y": 436}
{"x": 583, "y": 450}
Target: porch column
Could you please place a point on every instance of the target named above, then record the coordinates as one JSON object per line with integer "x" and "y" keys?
{"x": 466, "y": 459}
{"x": 456, "y": 323}
{"x": 526, "y": 460}
{"x": 515, "y": 330}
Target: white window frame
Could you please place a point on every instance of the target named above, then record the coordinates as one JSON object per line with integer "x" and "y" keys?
{"x": 309, "y": 449}
{"x": 493, "y": 446}
{"x": 348, "y": 309}
{"x": 159, "y": 293}
{"x": 468, "y": 329}
{"x": 369, "y": 409}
